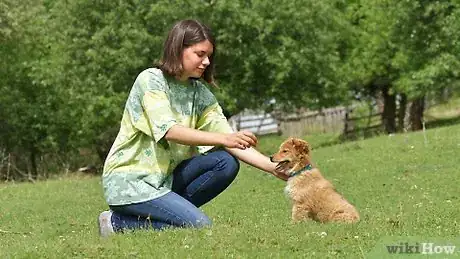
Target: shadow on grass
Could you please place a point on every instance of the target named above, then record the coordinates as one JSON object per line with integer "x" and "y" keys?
{"x": 442, "y": 122}
{"x": 432, "y": 123}
{"x": 331, "y": 142}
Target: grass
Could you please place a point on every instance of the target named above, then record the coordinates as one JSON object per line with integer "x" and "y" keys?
{"x": 404, "y": 186}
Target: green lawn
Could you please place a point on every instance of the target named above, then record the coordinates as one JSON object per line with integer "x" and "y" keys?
{"x": 404, "y": 186}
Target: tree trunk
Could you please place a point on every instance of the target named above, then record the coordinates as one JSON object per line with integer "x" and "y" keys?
{"x": 389, "y": 110}
{"x": 446, "y": 94}
{"x": 416, "y": 113}
{"x": 33, "y": 162}
{"x": 402, "y": 111}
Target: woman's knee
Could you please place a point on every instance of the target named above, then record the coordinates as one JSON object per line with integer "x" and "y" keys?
{"x": 201, "y": 222}
{"x": 228, "y": 164}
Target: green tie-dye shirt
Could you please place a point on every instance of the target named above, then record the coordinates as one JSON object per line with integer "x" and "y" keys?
{"x": 140, "y": 163}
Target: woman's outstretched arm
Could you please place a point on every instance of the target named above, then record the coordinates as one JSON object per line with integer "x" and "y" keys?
{"x": 254, "y": 158}
{"x": 238, "y": 144}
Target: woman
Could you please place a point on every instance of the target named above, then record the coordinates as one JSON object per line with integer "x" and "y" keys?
{"x": 175, "y": 150}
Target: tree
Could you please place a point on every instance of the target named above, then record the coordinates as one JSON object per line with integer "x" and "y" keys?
{"x": 402, "y": 48}
{"x": 24, "y": 103}
{"x": 271, "y": 52}
{"x": 427, "y": 59}
{"x": 97, "y": 48}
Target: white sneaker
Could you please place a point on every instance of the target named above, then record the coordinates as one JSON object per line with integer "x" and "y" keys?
{"x": 105, "y": 223}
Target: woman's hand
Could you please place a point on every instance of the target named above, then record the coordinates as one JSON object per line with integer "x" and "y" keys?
{"x": 281, "y": 174}
{"x": 241, "y": 140}
{"x": 253, "y": 157}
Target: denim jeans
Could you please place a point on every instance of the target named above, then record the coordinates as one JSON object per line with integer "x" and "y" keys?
{"x": 196, "y": 181}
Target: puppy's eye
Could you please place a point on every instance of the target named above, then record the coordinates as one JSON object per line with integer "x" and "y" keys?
{"x": 284, "y": 151}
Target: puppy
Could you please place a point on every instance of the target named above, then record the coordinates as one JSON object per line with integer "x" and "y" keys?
{"x": 312, "y": 196}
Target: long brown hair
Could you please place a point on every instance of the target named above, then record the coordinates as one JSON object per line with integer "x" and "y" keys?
{"x": 184, "y": 34}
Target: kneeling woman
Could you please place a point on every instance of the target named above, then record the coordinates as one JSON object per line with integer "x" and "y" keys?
{"x": 175, "y": 150}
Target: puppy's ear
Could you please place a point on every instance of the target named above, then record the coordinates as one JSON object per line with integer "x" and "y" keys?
{"x": 302, "y": 146}
{"x": 307, "y": 147}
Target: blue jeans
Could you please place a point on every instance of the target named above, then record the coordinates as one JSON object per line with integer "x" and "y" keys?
{"x": 196, "y": 181}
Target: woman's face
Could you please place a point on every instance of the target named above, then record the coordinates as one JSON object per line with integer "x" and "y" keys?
{"x": 195, "y": 59}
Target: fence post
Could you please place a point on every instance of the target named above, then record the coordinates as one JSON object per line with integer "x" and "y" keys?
{"x": 348, "y": 127}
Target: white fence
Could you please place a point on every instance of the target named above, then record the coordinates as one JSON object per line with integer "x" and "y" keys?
{"x": 258, "y": 123}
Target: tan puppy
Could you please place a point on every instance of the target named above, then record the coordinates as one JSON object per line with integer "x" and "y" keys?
{"x": 313, "y": 197}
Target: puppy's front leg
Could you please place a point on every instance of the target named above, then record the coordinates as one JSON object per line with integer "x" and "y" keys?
{"x": 299, "y": 213}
